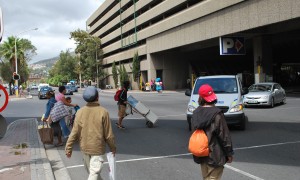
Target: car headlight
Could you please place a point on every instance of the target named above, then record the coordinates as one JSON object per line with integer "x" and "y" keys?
{"x": 236, "y": 108}
{"x": 191, "y": 108}
{"x": 265, "y": 97}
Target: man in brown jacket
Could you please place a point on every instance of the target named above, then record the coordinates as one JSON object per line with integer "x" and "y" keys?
{"x": 212, "y": 121}
{"x": 92, "y": 128}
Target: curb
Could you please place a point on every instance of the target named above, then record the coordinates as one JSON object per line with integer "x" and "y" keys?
{"x": 59, "y": 169}
{"x": 46, "y": 163}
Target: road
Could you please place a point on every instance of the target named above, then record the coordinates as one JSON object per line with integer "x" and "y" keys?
{"x": 267, "y": 149}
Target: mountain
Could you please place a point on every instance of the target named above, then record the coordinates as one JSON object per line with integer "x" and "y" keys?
{"x": 48, "y": 62}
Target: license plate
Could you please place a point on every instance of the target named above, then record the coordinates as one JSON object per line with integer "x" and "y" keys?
{"x": 252, "y": 101}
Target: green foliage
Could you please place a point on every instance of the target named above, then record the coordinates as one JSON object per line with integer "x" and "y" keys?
{"x": 123, "y": 74}
{"x": 56, "y": 80}
{"x": 115, "y": 74}
{"x": 8, "y": 56}
{"x": 63, "y": 70}
{"x": 6, "y": 71}
{"x": 90, "y": 55}
{"x": 135, "y": 66}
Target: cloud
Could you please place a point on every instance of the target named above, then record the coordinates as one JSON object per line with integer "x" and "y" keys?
{"x": 55, "y": 19}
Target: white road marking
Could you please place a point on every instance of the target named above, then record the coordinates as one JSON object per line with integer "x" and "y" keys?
{"x": 172, "y": 115}
{"x": 187, "y": 154}
{"x": 243, "y": 172}
{"x": 6, "y": 169}
{"x": 267, "y": 145}
{"x": 160, "y": 116}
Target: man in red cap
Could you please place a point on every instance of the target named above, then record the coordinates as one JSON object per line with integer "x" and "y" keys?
{"x": 211, "y": 119}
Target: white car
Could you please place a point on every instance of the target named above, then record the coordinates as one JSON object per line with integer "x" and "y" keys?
{"x": 265, "y": 94}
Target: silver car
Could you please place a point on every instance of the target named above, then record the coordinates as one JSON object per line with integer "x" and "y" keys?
{"x": 264, "y": 94}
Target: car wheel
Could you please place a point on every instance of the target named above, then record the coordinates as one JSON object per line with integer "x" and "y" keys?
{"x": 283, "y": 101}
{"x": 272, "y": 103}
{"x": 190, "y": 123}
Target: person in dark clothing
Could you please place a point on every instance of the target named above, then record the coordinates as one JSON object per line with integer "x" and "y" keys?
{"x": 122, "y": 104}
{"x": 211, "y": 119}
{"x": 54, "y": 125}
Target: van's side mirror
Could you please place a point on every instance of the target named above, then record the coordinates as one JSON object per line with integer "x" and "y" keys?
{"x": 245, "y": 91}
{"x": 187, "y": 92}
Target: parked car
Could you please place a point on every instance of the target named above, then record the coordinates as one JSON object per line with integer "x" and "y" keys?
{"x": 265, "y": 94}
{"x": 74, "y": 88}
{"x": 229, "y": 91}
{"x": 43, "y": 91}
{"x": 68, "y": 90}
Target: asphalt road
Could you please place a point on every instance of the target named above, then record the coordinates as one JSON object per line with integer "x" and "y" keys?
{"x": 267, "y": 149}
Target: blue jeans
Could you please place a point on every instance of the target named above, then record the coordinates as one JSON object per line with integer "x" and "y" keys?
{"x": 64, "y": 128}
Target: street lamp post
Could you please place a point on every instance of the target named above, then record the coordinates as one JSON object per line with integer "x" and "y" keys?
{"x": 16, "y": 58}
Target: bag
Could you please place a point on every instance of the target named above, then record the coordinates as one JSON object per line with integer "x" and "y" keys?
{"x": 112, "y": 166}
{"x": 117, "y": 95}
{"x": 58, "y": 111}
{"x": 46, "y": 134}
{"x": 198, "y": 144}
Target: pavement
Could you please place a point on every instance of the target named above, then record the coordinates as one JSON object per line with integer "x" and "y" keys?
{"x": 24, "y": 156}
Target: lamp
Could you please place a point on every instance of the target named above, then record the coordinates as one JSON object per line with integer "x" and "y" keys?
{"x": 16, "y": 57}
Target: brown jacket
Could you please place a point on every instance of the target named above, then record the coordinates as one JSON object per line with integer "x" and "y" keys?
{"x": 213, "y": 122}
{"x": 92, "y": 127}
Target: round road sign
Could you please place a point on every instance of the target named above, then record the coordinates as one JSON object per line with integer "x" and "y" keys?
{"x": 3, "y": 98}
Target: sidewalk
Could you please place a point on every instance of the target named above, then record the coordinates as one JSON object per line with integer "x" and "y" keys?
{"x": 80, "y": 91}
{"x": 22, "y": 154}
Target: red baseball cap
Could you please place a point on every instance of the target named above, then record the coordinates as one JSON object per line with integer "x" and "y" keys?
{"x": 207, "y": 93}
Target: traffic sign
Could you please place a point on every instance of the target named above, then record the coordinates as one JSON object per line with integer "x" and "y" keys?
{"x": 16, "y": 76}
{"x": 232, "y": 46}
{"x": 3, "y": 98}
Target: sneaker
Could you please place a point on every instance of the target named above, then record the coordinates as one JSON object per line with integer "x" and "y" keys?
{"x": 121, "y": 127}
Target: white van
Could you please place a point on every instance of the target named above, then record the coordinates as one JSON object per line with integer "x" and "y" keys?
{"x": 229, "y": 92}
{"x": 42, "y": 85}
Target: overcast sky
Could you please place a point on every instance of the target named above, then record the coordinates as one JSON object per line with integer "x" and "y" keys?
{"x": 55, "y": 19}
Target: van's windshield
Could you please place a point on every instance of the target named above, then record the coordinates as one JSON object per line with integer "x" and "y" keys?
{"x": 219, "y": 85}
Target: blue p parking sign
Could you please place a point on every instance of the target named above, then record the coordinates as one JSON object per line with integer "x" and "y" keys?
{"x": 232, "y": 46}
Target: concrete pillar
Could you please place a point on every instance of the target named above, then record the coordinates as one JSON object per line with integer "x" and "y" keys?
{"x": 263, "y": 60}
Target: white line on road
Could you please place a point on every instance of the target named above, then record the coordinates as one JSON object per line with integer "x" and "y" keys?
{"x": 6, "y": 169}
{"x": 243, "y": 172}
{"x": 164, "y": 116}
{"x": 267, "y": 145}
{"x": 186, "y": 154}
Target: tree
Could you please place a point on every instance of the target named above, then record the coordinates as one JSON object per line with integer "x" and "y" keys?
{"x": 135, "y": 66}
{"x": 123, "y": 74}
{"x": 115, "y": 74}
{"x": 89, "y": 49}
{"x": 63, "y": 70}
{"x": 25, "y": 51}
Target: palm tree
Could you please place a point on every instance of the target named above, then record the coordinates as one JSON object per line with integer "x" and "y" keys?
{"x": 25, "y": 50}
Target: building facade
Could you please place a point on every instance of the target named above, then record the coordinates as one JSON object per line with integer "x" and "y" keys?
{"x": 178, "y": 40}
